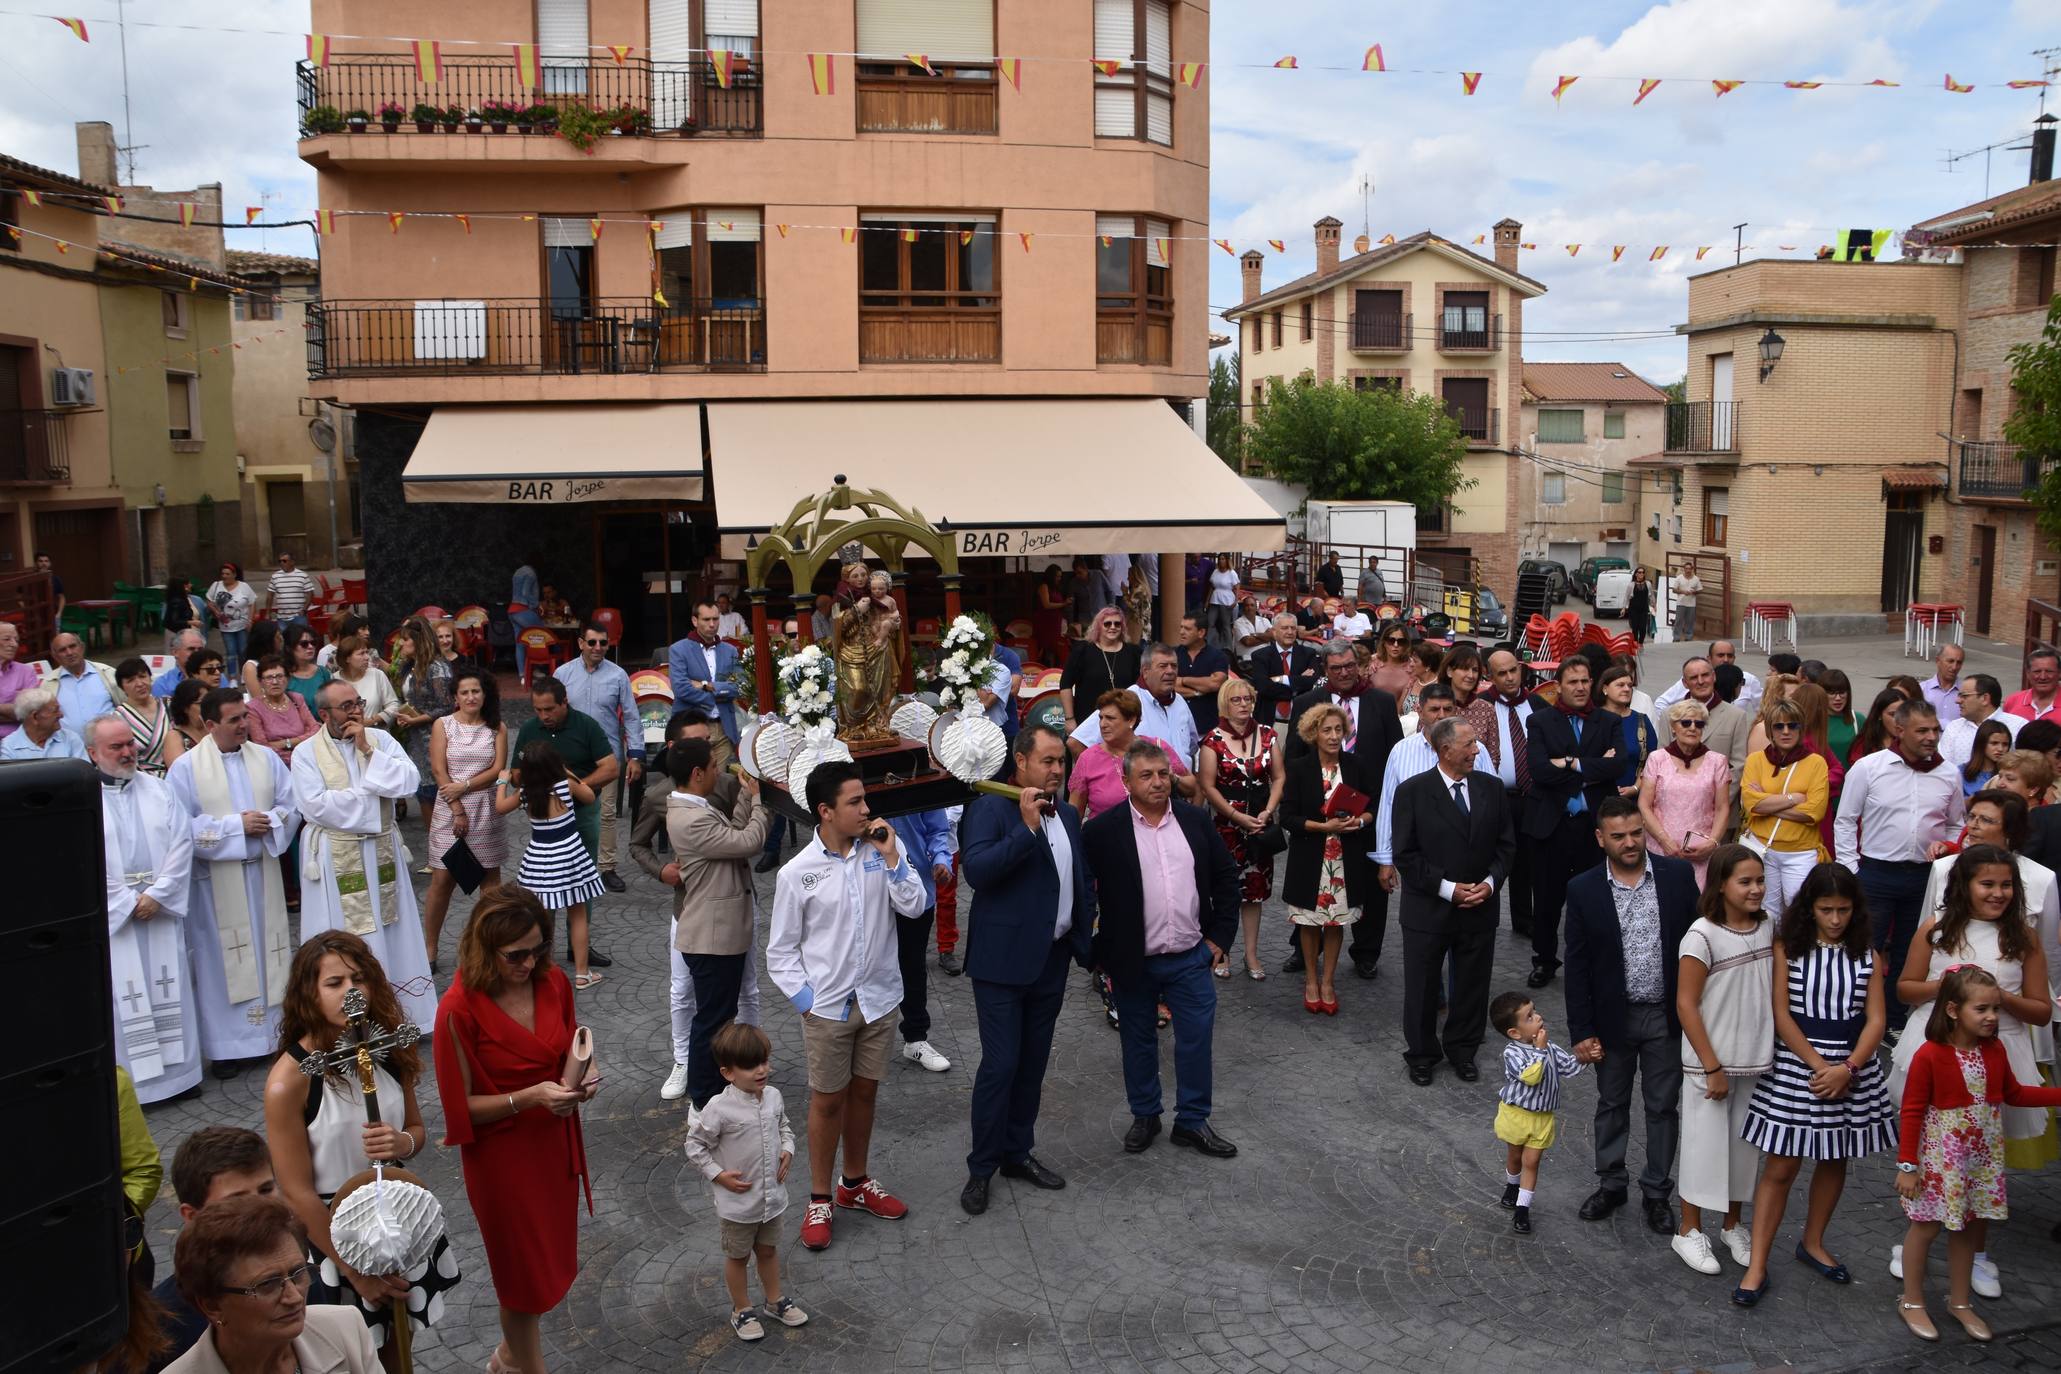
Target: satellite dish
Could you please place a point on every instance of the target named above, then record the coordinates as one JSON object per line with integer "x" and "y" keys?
{"x": 322, "y": 435}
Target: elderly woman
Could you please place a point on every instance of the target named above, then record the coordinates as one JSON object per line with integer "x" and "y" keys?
{"x": 1685, "y": 793}
{"x": 16, "y": 677}
{"x": 1784, "y": 790}
{"x": 42, "y": 734}
{"x": 243, "y": 1264}
{"x": 157, "y": 743}
{"x": 2028, "y": 773}
{"x": 1328, "y": 877}
{"x": 1103, "y": 662}
{"x": 1098, "y": 774}
{"x": 279, "y": 719}
{"x": 1239, "y": 771}
{"x": 354, "y": 664}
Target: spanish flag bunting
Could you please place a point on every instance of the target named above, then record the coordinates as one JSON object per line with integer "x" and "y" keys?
{"x": 1803, "y": 85}
{"x": 659, "y": 298}
{"x": 1725, "y": 88}
{"x": 723, "y": 63}
{"x": 621, "y": 52}
{"x": 1388, "y": 239}
{"x": 429, "y": 61}
{"x": 908, "y": 236}
{"x": 1528, "y": 247}
{"x": 965, "y": 237}
{"x": 465, "y": 221}
{"x": 594, "y": 228}
{"x": 848, "y": 234}
{"x": 1701, "y": 251}
{"x": 1189, "y": 74}
{"x": 1373, "y": 61}
{"x": 725, "y": 225}
{"x": 1878, "y": 81}
{"x": 33, "y": 197}
{"x": 1225, "y": 244}
{"x": 1166, "y": 249}
{"x": 654, "y": 227}
{"x": 1572, "y": 248}
{"x": 252, "y": 213}
{"x": 2024, "y": 85}
{"x": 525, "y": 65}
{"x": 393, "y": 221}
{"x": 1278, "y": 245}
{"x": 823, "y": 72}
{"x": 1287, "y": 62}
{"x": 1108, "y": 240}
{"x": 1657, "y": 254}
{"x": 1481, "y": 238}
{"x": 1956, "y": 87}
{"x": 921, "y": 61}
{"x": 1617, "y": 252}
{"x": 14, "y": 233}
{"x": 1108, "y": 66}
{"x": 783, "y": 230}
{"x": 1011, "y": 70}
{"x": 1026, "y": 238}
{"x": 62, "y": 246}
{"x": 318, "y": 49}
{"x": 1646, "y": 87}
{"x": 1560, "y": 87}
{"x": 187, "y": 211}
{"x": 113, "y": 203}
{"x": 529, "y": 219}
{"x": 1786, "y": 247}
{"x": 77, "y": 26}
{"x": 1469, "y": 82}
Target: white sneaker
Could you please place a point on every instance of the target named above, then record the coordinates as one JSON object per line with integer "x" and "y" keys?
{"x": 1896, "y": 1261}
{"x": 1694, "y": 1249}
{"x": 676, "y": 1084}
{"x": 1739, "y": 1240}
{"x": 920, "y": 1052}
{"x": 1984, "y": 1278}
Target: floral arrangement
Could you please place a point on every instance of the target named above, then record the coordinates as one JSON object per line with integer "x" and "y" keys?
{"x": 745, "y": 676}
{"x": 807, "y": 681}
{"x": 965, "y": 660}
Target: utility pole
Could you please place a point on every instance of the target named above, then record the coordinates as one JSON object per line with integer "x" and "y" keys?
{"x": 128, "y": 120}
{"x": 1739, "y": 241}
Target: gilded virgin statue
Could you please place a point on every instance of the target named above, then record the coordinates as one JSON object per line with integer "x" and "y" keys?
{"x": 867, "y": 644}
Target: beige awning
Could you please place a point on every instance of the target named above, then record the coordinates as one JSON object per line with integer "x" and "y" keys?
{"x": 544, "y": 455}
{"x": 1014, "y": 478}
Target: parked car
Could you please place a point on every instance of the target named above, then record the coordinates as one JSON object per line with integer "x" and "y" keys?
{"x": 1584, "y": 580}
{"x": 1554, "y": 573}
{"x": 1613, "y": 592}
{"x": 1491, "y": 621}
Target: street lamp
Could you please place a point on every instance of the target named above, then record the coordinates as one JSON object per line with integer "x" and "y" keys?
{"x": 1770, "y": 352}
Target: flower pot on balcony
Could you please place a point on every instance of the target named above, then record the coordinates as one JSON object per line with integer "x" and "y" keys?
{"x": 357, "y": 121}
{"x": 392, "y": 126}
{"x": 499, "y": 126}
{"x": 422, "y": 126}
{"x": 474, "y": 123}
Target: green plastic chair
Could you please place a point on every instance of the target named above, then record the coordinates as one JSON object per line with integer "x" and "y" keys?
{"x": 88, "y": 625}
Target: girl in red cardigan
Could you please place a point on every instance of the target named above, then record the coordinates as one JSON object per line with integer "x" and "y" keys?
{"x": 1951, "y": 1159}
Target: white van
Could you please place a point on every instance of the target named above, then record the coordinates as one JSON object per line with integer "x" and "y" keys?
{"x": 1613, "y": 592}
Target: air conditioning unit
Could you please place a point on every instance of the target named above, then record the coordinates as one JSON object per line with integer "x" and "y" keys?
{"x": 71, "y": 386}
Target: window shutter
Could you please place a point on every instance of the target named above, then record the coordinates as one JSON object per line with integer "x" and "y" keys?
{"x": 179, "y": 402}
{"x": 731, "y": 18}
{"x": 744, "y": 226}
{"x": 1116, "y": 226}
{"x": 567, "y": 233}
{"x": 1115, "y": 112}
{"x": 1717, "y": 501}
{"x": 562, "y": 42}
{"x": 1159, "y": 237}
{"x": 942, "y": 30}
{"x": 671, "y": 36}
{"x": 931, "y": 217}
{"x": 678, "y": 231}
{"x": 1113, "y": 30}
{"x": 1159, "y": 39}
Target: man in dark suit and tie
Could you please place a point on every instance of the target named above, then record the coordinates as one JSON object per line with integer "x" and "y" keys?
{"x": 1453, "y": 849}
{"x": 1574, "y": 766}
{"x": 1033, "y": 914}
{"x": 1166, "y": 889}
{"x": 1625, "y": 919}
{"x": 1282, "y": 669}
{"x": 1373, "y": 728}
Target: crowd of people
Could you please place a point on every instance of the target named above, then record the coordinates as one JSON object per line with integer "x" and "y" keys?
{"x": 1808, "y": 933}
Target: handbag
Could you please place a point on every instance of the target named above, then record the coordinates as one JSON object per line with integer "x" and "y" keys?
{"x": 579, "y": 1058}
{"x": 1263, "y": 844}
{"x": 1346, "y": 800}
{"x": 464, "y": 866}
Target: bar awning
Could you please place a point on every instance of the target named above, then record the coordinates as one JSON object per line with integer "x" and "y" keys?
{"x": 543, "y": 455}
{"x": 1014, "y": 478}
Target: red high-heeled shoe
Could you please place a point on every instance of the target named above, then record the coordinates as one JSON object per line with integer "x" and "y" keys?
{"x": 1314, "y": 1008}
{"x": 1331, "y": 1007}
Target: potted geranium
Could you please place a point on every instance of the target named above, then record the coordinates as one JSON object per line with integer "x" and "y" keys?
{"x": 474, "y": 121}
{"x": 390, "y": 114}
{"x": 544, "y": 119}
{"x": 426, "y": 116}
{"x": 499, "y": 115}
{"x": 454, "y": 116}
{"x": 627, "y": 121}
{"x": 323, "y": 119}
{"x": 357, "y": 120}
{"x": 581, "y": 126}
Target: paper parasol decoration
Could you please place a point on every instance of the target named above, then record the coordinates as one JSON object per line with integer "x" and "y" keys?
{"x": 913, "y": 718}
{"x": 809, "y": 755}
{"x": 387, "y": 1225}
{"x": 969, "y": 747}
{"x": 765, "y": 748}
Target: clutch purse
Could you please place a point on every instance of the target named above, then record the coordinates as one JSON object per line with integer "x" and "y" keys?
{"x": 464, "y": 866}
{"x": 1346, "y": 801}
{"x": 579, "y": 1058}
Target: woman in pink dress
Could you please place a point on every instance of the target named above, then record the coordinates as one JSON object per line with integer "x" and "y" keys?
{"x": 1685, "y": 792}
{"x": 467, "y": 751}
{"x": 1098, "y": 774}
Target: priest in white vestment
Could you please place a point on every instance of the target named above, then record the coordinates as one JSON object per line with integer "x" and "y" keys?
{"x": 148, "y": 851}
{"x": 354, "y": 868}
{"x": 238, "y": 798}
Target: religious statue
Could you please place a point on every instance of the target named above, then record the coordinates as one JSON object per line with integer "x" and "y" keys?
{"x": 866, "y": 642}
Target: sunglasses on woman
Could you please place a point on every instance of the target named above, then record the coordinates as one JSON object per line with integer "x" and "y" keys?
{"x": 519, "y": 957}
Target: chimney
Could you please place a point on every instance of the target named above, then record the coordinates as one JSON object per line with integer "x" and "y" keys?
{"x": 1328, "y": 230}
{"x": 2043, "y": 150}
{"x": 1507, "y": 233}
{"x": 97, "y": 153}
{"x": 1250, "y": 264}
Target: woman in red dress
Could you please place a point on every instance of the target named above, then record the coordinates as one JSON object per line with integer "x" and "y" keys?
{"x": 502, "y": 1034}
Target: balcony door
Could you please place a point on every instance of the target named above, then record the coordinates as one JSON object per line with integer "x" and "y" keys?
{"x": 562, "y": 44}
{"x": 1378, "y": 319}
{"x": 1721, "y": 402}
{"x": 672, "y": 63}
{"x": 1467, "y": 401}
{"x": 568, "y": 267}
{"x": 1466, "y": 319}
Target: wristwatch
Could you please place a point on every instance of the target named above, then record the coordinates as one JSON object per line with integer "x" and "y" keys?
{"x": 1904, "y": 1168}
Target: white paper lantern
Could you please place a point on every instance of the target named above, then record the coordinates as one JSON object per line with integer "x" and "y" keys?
{"x": 913, "y": 719}
{"x": 812, "y": 754}
{"x": 387, "y": 1226}
{"x": 969, "y": 747}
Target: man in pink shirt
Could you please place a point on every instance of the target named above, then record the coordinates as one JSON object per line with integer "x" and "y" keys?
{"x": 1167, "y": 893}
{"x": 16, "y": 677}
{"x": 2041, "y": 699}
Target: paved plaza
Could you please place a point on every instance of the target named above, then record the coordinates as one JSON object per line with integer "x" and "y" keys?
{"x": 1358, "y": 1228}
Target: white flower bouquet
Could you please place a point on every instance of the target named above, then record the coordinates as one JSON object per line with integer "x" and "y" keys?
{"x": 807, "y": 681}
{"x": 964, "y": 660}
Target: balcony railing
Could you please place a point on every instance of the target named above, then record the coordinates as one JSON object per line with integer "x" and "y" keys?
{"x": 959, "y": 100}
{"x": 452, "y": 338}
{"x": 1118, "y": 338}
{"x": 1703, "y": 426}
{"x": 675, "y": 97}
{"x": 1999, "y": 472}
{"x": 1381, "y": 333}
{"x": 34, "y": 447}
{"x": 1484, "y": 339}
{"x": 953, "y": 335}
{"x": 1480, "y": 427}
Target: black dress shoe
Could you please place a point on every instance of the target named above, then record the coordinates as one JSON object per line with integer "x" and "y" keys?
{"x": 1465, "y": 1070}
{"x": 1203, "y": 1140}
{"x": 226, "y": 1069}
{"x": 1420, "y": 1074}
{"x": 973, "y": 1198}
{"x": 1294, "y": 964}
{"x": 948, "y": 963}
{"x": 1510, "y": 1191}
{"x": 613, "y": 883}
{"x": 1521, "y": 928}
{"x": 1538, "y": 977}
{"x": 595, "y": 958}
{"x": 1520, "y": 1221}
{"x": 189, "y": 1095}
{"x": 1602, "y": 1203}
{"x": 1660, "y": 1217}
{"x": 766, "y": 864}
{"x": 1367, "y": 969}
{"x": 1136, "y": 1139}
{"x": 1033, "y": 1173}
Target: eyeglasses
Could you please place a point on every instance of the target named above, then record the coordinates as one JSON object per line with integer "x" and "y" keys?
{"x": 1784, "y": 725}
{"x": 269, "y": 1289}
{"x": 349, "y": 708}
{"x": 519, "y": 957}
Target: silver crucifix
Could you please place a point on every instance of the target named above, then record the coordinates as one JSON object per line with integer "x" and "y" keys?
{"x": 361, "y": 1046}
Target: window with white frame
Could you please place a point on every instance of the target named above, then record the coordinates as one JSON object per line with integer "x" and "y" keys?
{"x": 1138, "y": 100}
{"x": 182, "y": 406}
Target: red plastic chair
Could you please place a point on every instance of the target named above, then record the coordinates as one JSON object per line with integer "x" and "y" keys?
{"x": 472, "y": 627}
{"x": 536, "y": 646}
{"x": 433, "y": 613}
{"x": 354, "y": 591}
{"x": 610, "y": 619}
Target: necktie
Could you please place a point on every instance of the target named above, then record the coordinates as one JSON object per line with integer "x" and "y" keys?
{"x": 1460, "y": 796}
{"x": 1517, "y": 744}
{"x": 1349, "y": 705}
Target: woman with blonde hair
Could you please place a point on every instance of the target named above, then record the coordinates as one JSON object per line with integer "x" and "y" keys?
{"x": 1685, "y": 793}
{"x": 1239, "y": 770}
{"x": 1328, "y": 878}
{"x": 2027, "y": 772}
{"x": 1783, "y": 793}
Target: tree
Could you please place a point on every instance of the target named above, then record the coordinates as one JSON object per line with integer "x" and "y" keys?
{"x": 1676, "y": 390}
{"x": 1225, "y": 424}
{"x": 1343, "y": 444}
{"x": 2035, "y": 424}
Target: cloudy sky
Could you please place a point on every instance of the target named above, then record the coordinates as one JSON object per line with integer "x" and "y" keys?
{"x": 1290, "y": 147}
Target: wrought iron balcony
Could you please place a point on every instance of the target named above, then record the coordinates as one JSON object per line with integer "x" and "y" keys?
{"x": 1485, "y": 338}
{"x": 35, "y": 447}
{"x": 1378, "y": 333}
{"x": 1702, "y": 427}
{"x": 1999, "y": 472}
{"x": 454, "y": 338}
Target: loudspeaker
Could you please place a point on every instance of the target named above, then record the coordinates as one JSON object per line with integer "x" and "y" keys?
{"x": 61, "y": 1211}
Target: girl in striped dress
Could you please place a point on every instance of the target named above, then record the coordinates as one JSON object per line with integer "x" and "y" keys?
{"x": 1825, "y": 1099}
{"x": 556, "y": 865}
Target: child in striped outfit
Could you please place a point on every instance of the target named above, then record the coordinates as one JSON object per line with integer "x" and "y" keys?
{"x": 1532, "y": 1069}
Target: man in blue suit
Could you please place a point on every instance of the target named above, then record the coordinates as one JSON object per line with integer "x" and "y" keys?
{"x": 1033, "y": 913}
{"x": 700, "y": 666}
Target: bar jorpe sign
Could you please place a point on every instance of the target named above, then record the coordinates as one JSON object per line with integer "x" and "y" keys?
{"x": 557, "y": 490}
{"x": 1016, "y": 543}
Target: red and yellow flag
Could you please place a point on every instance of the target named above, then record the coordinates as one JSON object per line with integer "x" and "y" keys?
{"x": 1166, "y": 250}
{"x": 393, "y": 221}
{"x": 654, "y": 227}
{"x": 1617, "y": 252}
{"x": 1646, "y": 88}
{"x": 1025, "y": 239}
{"x": 1701, "y": 251}
{"x": 1657, "y": 254}
{"x": 1725, "y": 88}
{"x": 965, "y": 237}
{"x": 1388, "y": 240}
{"x": 1286, "y": 62}
{"x": 1108, "y": 240}
{"x": 253, "y": 213}
{"x": 823, "y": 73}
{"x": 621, "y": 52}
{"x": 1011, "y": 70}
{"x": 1560, "y": 87}
{"x": 1108, "y": 66}
{"x": 33, "y": 197}
{"x": 318, "y": 49}
{"x": 1528, "y": 247}
{"x": 908, "y": 236}
{"x": 1878, "y": 81}
{"x": 1802, "y": 85}
{"x": 1572, "y": 248}
{"x": 464, "y": 221}
{"x": 325, "y": 222}
{"x": 783, "y": 230}
{"x": 1189, "y": 74}
{"x": 188, "y": 211}
{"x": 77, "y": 26}
{"x": 920, "y": 60}
{"x": 1470, "y": 82}
{"x": 726, "y": 225}
{"x": 848, "y": 234}
{"x": 1225, "y": 244}
{"x": 723, "y": 63}
{"x": 1278, "y": 245}
{"x": 113, "y": 204}
{"x": 2024, "y": 85}
{"x": 526, "y": 65}
{"x": 62, "y": 246}
{"x": 1373, "y": 61}
{"x": 429, "y": 61}
{"x": 1481, "y": 238}
{"x": 594, "y": 228}
{"x": 1956, "y": 87}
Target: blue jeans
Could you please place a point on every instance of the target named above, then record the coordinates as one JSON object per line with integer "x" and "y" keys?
{"x": 232, "y": 652}
{"x": 1894, "y": 893}
{"x": 1184, "y": 983}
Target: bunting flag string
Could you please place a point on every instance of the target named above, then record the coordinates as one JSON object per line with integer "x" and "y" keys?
{"x": 1470, "y": 82}
{"x": 1286, "y": 64}
{"x": 1107, "y": 66}
{"x": 1617, "y": 252}
{"x": 1658, "y": 253}
{"x": 318, "y": 50}
{"x": 1560, "y": 87}
{"x": 1278, "y": 245}
{"x": 187, "y": 212}
{"x": 1010, "y": 69}
{"x": 1957, "y": 87}
{"x": 393, "y": 220}
{"x": 1374, "y": 61}
{"x": 1646, "y": 88}
{"x": 1725, "y": 88}
{"x": 921, "y": 62}
{"x": 113, "y": 204}
{"x": 77, "y": 26}
{"x": 251, "y": 214}
{"x": 1225, "y": 244}
{"x": 1026, "y": 238}
{"x": 1701, "y": 251}
{"x": 1189, "y": 74}
{"x": 621, "y": 52}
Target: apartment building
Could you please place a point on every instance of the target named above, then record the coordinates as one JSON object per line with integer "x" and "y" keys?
{"x": 1423, "y": 313}
{"x": 967, "y": 269}
{"x": 1580, "y": 425}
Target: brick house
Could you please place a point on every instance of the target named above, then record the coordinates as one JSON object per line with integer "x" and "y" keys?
{"x": 1580, "y": 425}
{"x": 1422, "y": 313}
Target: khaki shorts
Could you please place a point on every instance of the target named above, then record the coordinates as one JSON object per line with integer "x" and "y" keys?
{"x": 740, "y": 1238}
{"x": 839, "y": 1051}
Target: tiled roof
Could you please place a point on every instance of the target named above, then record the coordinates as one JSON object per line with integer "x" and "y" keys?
{"x": 1914, "y": 479}
{"x": 1374, "y": 257}
{"x": 29, "y": 171}
{"x": 171, "y": 263}
{"x": 2040, "y": 199}
{"x": 1588, "y": 382}
{"x": 286, "y": 264}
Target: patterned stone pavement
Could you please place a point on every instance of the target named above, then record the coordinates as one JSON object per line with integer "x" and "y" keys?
{"x": 1356, "y": 1231}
